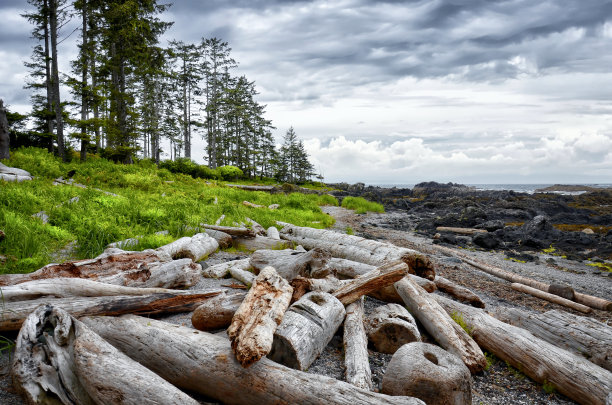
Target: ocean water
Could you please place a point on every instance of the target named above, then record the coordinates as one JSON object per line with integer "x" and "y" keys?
{"x": 519, "y": 188}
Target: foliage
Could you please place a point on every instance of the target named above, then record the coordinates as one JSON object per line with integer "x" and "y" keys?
{"x": 457, "y": 317}
{"x": 549, "y": 387}
{"x": 361, "y": 205}
{"x": 230, "y": 172}
{"x": 350, "y": 231}
{"x": 491, "y": 359}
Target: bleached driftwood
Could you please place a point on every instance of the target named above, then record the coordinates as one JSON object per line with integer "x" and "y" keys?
{"x": 440, "y": 325}
{"x": 60, "y": 360}
{"x": 231, "y": 230}
{"x": 252, "y": 205}
{"x": 307, "y": 327}
{"x": 461, "y": 231}
{"x": 302, "y": 285}
{"x": 241, "y": 275}
{"x": 12, "y": 314}
{"x": 204, "y": 363}
{"x": 223, "y": 239}
{"x": 260, "y": 242}
{"x": 382, "y": 276}
{"x": 255, "y": 226}
{"x": 571, "y": 375}
{"x": 217, "y": 312}
{"x": 358, "y": 249}
{"x": 221, "y": 270}
{"x": 272, "y": 232}
{"x": 292, "y": 263}
{"x": 355, "y": 342}
{"x": 391, "y": 326}
{"x": 196, "y": 248}
{"x": 252, "y": 329}
{"x": 583, "y": 336}
{"x": 461, "y": 293}
{"x": 390, "y": 295}
{"x": 551, "y": 297}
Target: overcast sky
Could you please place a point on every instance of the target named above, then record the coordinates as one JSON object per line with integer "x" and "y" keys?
{"x": 471, "y": 91}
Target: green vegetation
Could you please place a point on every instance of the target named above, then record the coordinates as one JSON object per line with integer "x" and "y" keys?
{"x": 491, "y": 359}
{"x": 601, "y": 266}
{"x": 549, "y": 387}
{"x": 551, "y": 249}
{"x": 361, "y": 205}
{"x": 148, "y": 200}
{"x": 457, "y": 317}
{"x": 350, "y": 231}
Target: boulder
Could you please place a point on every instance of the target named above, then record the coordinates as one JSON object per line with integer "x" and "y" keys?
{"x": 486, "y": 240}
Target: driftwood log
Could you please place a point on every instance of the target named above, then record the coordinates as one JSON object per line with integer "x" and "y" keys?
{"x": 272, "y": 232}
{"x": 252, "y": 329}
{"x": 389, "y": 293}
{"x": 221, "y": 270}
{"x": 260, "y": 242}
{"x": 583, "y": 336}
{"x": 391, "y": 326}
{"x": 461, "y": 293}
{"x": 204, "y": 363}
{"x": 461, "y": 231}
{"x": 255, "y": 226}
{"x": 231, "y": 230}
{"x": 12, "y": 314}
{"x": 292, "y": 263}
{"x": 571, "y": 375}
{"x": 378, "y": 278}
{"x": 244, "y": 276}
{"x": 196, "y": 248}
{"x": 440, "y": 325}
{"x": 223, "y": 239}
{"x": 307, "y": 327}
{"x": 60, "y": 360}
{"x": 355, "y": 343}
{"x": 217, "y": 312}
{"x": 551, "y": 298}
{"x": 358, "y": 249}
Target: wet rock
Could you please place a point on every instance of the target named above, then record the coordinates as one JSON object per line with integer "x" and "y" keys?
{"x": 486, "y": 240}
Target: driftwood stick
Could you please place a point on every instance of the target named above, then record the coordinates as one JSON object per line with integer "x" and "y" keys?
{"x": 204, "y": 363}
{"x": 461, "y": 293}
{"x": 461, "y": 231}
{"x": 253, "y": 325}
{"x": 356, "y": 360}
{"x": 572, "y": 375}
{"x": 373, "y": 281}
{"x": 231, "y": 230}
{"x": 440, "y": 325}
{"x": 551, "y": 297}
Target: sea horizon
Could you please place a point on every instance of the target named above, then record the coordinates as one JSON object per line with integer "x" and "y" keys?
{"x": 528, "y": 188}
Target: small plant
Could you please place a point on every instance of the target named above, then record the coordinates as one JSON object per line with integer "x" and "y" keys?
{"x": 457, "y": 317}
{"x": 551, "y": 249}
{"x": 350, "y": 231}
{"x": 549, "y": 388}
{"x": 515, "y": 372}
{"x": 491, "y": 359}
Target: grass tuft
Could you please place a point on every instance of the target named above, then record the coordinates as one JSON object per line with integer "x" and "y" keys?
{"x": 361, "y": 205}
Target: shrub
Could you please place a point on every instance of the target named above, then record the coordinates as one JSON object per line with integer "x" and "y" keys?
{"x": 361, "y": 205}
{"x": 230, "y": 173}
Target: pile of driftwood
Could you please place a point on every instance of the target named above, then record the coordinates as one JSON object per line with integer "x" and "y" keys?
{"x": 74, "y": 348}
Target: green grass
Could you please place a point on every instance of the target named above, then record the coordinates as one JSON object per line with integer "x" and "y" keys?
{"x": 350, "y": 231}
{"x": 148, "y": 200}
{"x": 361, "y": 205}
{"x": 457, "y": 317}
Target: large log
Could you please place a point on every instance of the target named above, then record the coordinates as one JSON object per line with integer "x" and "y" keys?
{"x": 204, "y": 363}
{"x": 551, "y": 298}
{"x": 223, "y": 239}
{"x": 221, "y": 270}
{"x": 461, "y": 231}
{"x": 12, "y": 314}
{"x": 292, "y": 263}
{"x": 389, "y": 294}
{"x": 571, "y": 375}
{"x": 231, "y": 230}
{"x": 252, "y": 329}
{"x": 355, "y": 342}
{"x": 217, "y": 312}
{"x": 60, "y": 360}
{"x": 378, "y": 278}
{"x": 136, "y": 269}
{"x": 260, "y": 242}
{"x": 440, "y": 326}
{"x": 391, "y": 326}
{"x": 461, "y": 293}
{"x": 196, "y": 248}
{"x": 307, "y": 327}
{"x": 583, "y": 336}
{"x": 358, "y": 249}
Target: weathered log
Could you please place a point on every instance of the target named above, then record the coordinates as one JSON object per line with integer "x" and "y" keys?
{"x": 252, "y": 205}
{"x": 391, "y": 326}
{"x": 358, "y": 249}
{"x": 196, "y": 248}
{"x": 272, "y": 232}
{"x": 461, "y": 231}
{"x": 217, "y": 312}
{"x": 461, "y": 293}
{"x": 585, "y": 299}
{"x": 302, "y": 285}
{"x": 60, "y": 360}
{"x": 241, "y": 275}
{"x": 69, "y": 287}
{"x": 12, "y": 314}
{"x": 221, "y": 270}
{"x": 571, "y": 375}
{"x": 551, "y": 297}
{"x": 307, "y": 327}
{"x": 252, "y": 329}
{"x": 292, "y": 263}
{"x": 231, "y": 230}
{"x": 223, "y": 239}
{"x": 382, "y": 276}
{"x": 390, "y": 295}
{"x": 204, "y": 363}
{"x": 136, "y": 269}
{"x": 583, "y": 336}
{"x": 260, "y": 242}
{"x": 355, "y": 342}
{"x": 255, "y": 226}
{"x": 440, "y": 325}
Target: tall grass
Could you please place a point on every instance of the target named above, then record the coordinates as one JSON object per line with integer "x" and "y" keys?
{"x": 361, "y": 205}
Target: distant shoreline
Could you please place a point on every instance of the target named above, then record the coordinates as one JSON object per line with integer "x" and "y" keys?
{"x": 521, "y": 188}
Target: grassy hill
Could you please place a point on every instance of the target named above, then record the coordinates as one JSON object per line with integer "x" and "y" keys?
{"x": 144, "y": 200}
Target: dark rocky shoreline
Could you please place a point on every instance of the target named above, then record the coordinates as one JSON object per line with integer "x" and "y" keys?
{"x": 576, "y": 226}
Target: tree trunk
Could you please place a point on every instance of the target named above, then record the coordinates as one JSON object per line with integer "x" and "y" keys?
{"x": 48, "y": 81}
{"x": 292, "y": 263}
{"x": 583, "y": 336}
{"x": 230, "y": 230}
{"x": 204, "y": 363}
{"x": 391, "y": 326}
{"x": 4, "y": 133}
{"x": 253, "y": 325}
{"x": 382, "y": 276}
{"x": 358, "y": 249}
{"x": 551, "y": 298}
{"x": 307, "y": 327}
{"x": 356, "y": 360}
{"x": 60, "y": 358}
{"x": 217, "y": 312}
{"x": 57, "y": 106}
{"x": 440, "y": 326}
{"x": 259, "y": 243}
{"x": 572, "y": 375}
{"x": 461, "y": 293}
{"x": 84, "y": 104}
{"x": 223, "y": 239}
{"x": 196, "y": 247}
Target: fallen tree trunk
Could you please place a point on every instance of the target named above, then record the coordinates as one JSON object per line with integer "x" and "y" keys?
{"x": 58, "y": 358}
{"x": 244, "y": 276}
{"x": 12, "y": 314}
{"x": 583, "y": 336}
{"x": 231, "y": 230}
{"x": 292, "y": 263}
{"x": 358, "y": 249}
{"x": 551, "y": 297}
{"x": 382, "y": 276}
{"x": 223, "y": 239}
{"x": 204, "y": 363}
{"x": 391, "y": 326}
{"x": 252, "y": 329}
{"x": 221, "y": 270}
{"x": 260, "y": 242}
{"x": 461, "y": 293}
{"x": 572, "y": 375}
{"x": 461, "y": 231}
{"x": 389, "y": 293}
{"x": 355, "y": 341}
{"x": 440, "y": 325}
{"x": 196, "y": 248}
{"x": 217, "y": 312}
{"x": 255, "y": 226}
